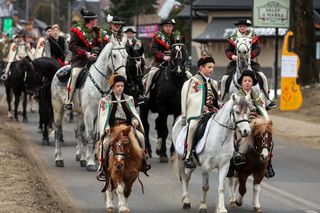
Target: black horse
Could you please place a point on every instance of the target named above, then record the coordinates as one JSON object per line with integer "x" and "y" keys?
{"x": 135, "y": 69}
{"x": 15, "y": 82}
{"x": 165, "y": 98}
{"x": 39, "y": 74}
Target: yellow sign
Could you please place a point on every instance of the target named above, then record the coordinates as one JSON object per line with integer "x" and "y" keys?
{"x": 291, "y": 97}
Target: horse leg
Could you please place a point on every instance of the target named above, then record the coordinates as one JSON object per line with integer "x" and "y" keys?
{"x": 162, "y": 131}
{"x": 17, "y": 95}
{"x": 8, "y": 94}
{"x": 58, "y": 116}
{"x": 89, "y": 126}
{"x": 257, "y": 178}
{"x": 109, "y": 199}
{"x": 144, "y": 119}
{"x": 45, "y": 135}
{"x": 232, "y": 182}
{"x": 80, "y": 152}
{"x": 242, "y": 188}
{"x": 24, "y": 105}
{"x": 122, "y": 205}
{"x": 184, "y": 179}
{"x": 222, "y": 177}
{"x": 205, "y": 187}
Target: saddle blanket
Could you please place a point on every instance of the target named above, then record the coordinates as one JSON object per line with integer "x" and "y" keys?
{"x": 183, "y": 136}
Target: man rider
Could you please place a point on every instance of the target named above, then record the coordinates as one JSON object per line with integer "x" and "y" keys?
{"x": 85, "y": 39}
{"x": 40, "y": 48}
{"x": 230, "y": 52}
{"x": 132, "y": 41}
{"x": 160, "y": 48}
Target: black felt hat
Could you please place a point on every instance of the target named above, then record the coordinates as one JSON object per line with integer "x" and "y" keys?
{"x": 243, "y": 22}
{"x": 249, "y": 73}
{"x": 20, "y": 33}
{"x": 117, "y": 20}
{"x": 205, "y": 59}
{"x": 48, "y": 28}
{"x": 130, "y": 30}
{"x": 116, "y": 78}
{"x": 88, "y": 14}
{"x": 168, "y": 21}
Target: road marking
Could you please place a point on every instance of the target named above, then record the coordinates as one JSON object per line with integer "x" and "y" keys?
{"x": 286, "y": 196}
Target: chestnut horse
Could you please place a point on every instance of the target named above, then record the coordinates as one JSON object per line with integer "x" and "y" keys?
{"x": 125, "y": 162}
{"x": 257, "y": 158}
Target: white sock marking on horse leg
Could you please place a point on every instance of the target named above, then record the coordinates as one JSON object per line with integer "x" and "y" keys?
{"x": 256, "y": 195}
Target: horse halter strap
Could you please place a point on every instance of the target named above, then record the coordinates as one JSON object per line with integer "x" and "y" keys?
{"x": 264, "y": 144}
{"x": 121, "y": 152}
{"x": 110, "y": 56}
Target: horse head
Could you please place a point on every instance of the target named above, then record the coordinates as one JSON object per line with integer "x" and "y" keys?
{"x": 240, "y": 112}
{"x": 243, "y": 50}
{"x": 178, "y": 58}
{"x": 32, "y": 78}
{"x": 262, "y": 137}
{"x": 120, "y": 145}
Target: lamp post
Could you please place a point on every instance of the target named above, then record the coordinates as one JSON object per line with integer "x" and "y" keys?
{"x": 190, "y": 23}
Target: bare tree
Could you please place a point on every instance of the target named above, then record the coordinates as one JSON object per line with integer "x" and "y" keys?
{"x": 305, "y": 41}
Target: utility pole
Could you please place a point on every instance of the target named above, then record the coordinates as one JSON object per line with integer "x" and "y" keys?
{"x": 190, "y": 23}
{"x": 69, "y": 16}
{"x": 137, "y": 19}
{"x": 27, "y": 10}
{"x": 52, "y": 12}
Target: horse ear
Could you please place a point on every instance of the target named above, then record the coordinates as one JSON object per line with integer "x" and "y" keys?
{"x": 126, "y": 131}
{"x": 270, "y": 123}
{"x": 235, "y": 98}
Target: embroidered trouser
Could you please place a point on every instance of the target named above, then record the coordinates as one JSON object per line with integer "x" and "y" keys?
{"x": 72, "y": 82}
{"x": 148, "y": 82}
{"x": 191, "y": 131}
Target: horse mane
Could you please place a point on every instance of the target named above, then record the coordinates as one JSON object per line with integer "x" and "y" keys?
{"x": 260, "y": 125}
{"x": 124, "y": 130}
{"x": 243, "y": 104}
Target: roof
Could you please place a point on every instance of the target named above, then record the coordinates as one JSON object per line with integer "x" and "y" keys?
{"x": 221, "y": 29}
{"x": 185, "y": 14}
{"x": 210, "y": 5}
{"x": 223, "y": 5}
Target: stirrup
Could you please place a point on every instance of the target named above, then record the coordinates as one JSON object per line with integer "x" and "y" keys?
{"x": 68, "y": 106}
{"x": 239, "y": 159}
{"x": 189, "y": 163}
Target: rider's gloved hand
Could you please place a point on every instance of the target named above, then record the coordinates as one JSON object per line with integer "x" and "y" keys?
{"x": 234, "y": 57}
{"x": 135, "y": 123}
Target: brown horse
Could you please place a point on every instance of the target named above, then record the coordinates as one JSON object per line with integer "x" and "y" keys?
{"x": 257, "y": 158}
{"x": 124, "y": 164}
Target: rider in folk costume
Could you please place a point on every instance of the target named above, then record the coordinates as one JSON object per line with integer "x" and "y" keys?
{"x": 199, "y": 96}
{"x": 115, "y": 23}
{"x": 257, "y": 105}
{"x": 160, "y": 48}
{"x": 118, "y": 108}
{"x": 57, "y": 47}
{"x": 40, "y": 48}
{"x": 29, "y": 39}
{"x": 230, "y": 52}
{"x": 85, "y": 43}
{"x": 132, "y": 41}
{"x": 18, "y": 50}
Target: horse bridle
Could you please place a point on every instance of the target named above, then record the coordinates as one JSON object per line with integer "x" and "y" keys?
{"x": 119, "y": 145}
{"x": 110, "y": 56}
{"x": 264, "y": 144}
{"x": 138, "y": 62}
{"x": 178, "y": 55}
{"x": 236, "y": 122}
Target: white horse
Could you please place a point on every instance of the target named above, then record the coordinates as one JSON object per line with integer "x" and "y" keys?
{"x": 218, "y": 148}
{"x": 243, "y": 51}
{"x": 111, "y": 59}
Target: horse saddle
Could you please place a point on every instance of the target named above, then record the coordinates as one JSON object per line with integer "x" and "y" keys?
{"x": 200, "y": 129}
{"x": 64, "y": 74}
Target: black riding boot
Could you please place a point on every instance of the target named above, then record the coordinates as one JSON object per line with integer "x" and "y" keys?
{"x": 231, "y": 169}
{"x": 269, "y": 171}
{"x": 145, "y": 166}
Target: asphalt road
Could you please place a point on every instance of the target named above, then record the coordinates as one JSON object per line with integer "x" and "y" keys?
{"x": 295, "y": 188}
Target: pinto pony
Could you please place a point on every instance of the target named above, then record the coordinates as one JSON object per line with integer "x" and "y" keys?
{"x": 257, "y": 158}
{"x": 124, "y": 164}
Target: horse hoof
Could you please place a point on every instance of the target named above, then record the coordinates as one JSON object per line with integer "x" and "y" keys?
{"x": 16, "y": 119}
{"x": 158, "y": 152}
{"x": 203, "y": 211}
{"x": 257, "y": 209}
{"x": 45, "y": 142}
{"x": 186, "y": 206}
{"x": 164, "y": 159}
{"x": 83, "y": 163}
{"x": 238, "y": 204}
{"x": 110, "y": 209}
{"x": 91, "y": 168}
{"x": 25, "y": 120}
{"x": 124, "y": 211}
{"x": 78, "y": 157}
{"x": 59, "y": 163}
{"x": 233, "y": 203}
